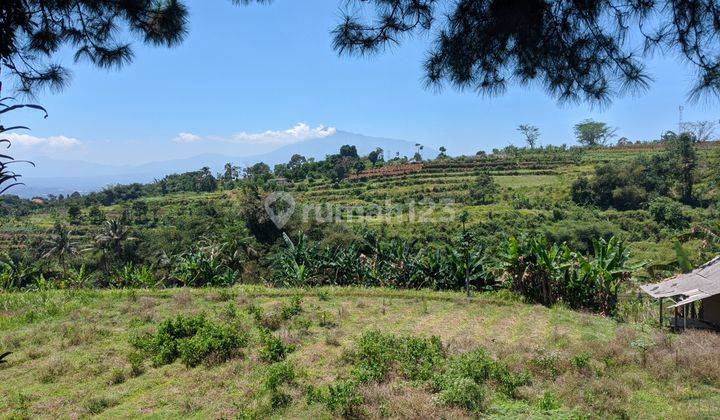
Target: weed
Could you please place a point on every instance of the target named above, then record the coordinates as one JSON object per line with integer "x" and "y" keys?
{"x": 277, "y": 375}
{"x": 137, "y": 363}
{"x": 580, "y": 361}
{"x": 117, "y": 376}
{"x": 97, "y": 405}
{"x": 273, "y": 349}
{"x": 52, "y": 371}
{"x": 548, "y": 402}
{"x": 462, "y": 392}
{"x": 341, "y": 398}
{"x": 291, "y": 309}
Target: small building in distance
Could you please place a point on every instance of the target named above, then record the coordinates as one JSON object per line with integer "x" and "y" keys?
{"x": 694, "y": 297}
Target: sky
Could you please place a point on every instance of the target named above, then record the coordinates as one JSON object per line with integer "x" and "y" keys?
{"x": 249, "y": 79}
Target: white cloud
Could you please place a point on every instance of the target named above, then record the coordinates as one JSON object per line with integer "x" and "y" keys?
{"x": 299, "y": 132}
{"x": 187, "y": 138}
{"x": 42, "y": 143}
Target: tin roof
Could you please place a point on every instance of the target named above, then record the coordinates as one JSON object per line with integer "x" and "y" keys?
{"x": 698, "y": 284}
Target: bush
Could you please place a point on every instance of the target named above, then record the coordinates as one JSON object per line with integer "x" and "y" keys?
{"x": 668, "y": 212}
{"x": 293, "y": 308}
{"x": 341, "y": 398}
{"x": 279, "y": 374}
{"x": 273, "y": 349}
{"x": 484, "y": 190}
{"x": 415, "y": 357}
{"x": 193, "y": 340}
{"x": 464, "y": 393}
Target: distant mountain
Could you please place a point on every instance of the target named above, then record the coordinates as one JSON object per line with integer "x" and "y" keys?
{"x": 53, "y": 176}
{"x": 321, "y": 147}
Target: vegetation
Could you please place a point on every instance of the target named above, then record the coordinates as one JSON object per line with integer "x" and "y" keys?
{"x": 506, "y": 359}
{"x": 571, "y": 229}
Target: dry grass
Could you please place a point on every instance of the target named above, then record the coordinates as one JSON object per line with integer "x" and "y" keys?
{"x": 76, "y": 359}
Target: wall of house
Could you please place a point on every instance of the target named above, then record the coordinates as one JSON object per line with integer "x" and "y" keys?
{"x": 711, "y": 309}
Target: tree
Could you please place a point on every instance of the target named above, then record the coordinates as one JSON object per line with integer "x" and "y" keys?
{"x": 682, "y": 151}
{"x": 111, "y": 241}
{"x": 34, "y": 31}
{"x": 575, "y": 50}
{"x": 531, "y": 134}
{"x": 230, "y": 172}
{"x": 442, "y": 154}
{"x": 483, "y": 190}
{"x": 374, "y": 156}
{"x": 59, "y": 245}
{"x": 702, "y": 130}
{"x": 593, "y": 133}
{"x": 96, "y": 215}
{"x": 73, "y": 212}
{"x": 348, "y": 151}
{"x": 8, "y": 177}
{"x": 140, "y": 209}
{"x": 258, "y": 170}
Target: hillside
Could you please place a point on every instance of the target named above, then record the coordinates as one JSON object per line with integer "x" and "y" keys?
{"x": 183, "y": 297}
{"x": 53, "y": 176}
{"x": 570, "y": 364}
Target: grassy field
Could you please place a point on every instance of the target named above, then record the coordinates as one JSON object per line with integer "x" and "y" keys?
{"x": 73, "y": 357}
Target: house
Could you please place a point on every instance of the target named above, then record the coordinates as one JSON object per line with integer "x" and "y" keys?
{"x": 694, "y": 297}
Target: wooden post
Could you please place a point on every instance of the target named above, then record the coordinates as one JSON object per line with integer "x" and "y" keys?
{"x": 661, "y": 313}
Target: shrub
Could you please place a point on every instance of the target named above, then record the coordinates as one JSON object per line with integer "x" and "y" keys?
{"x": 273, "y": 349}
{"x": 137, "y": 362}
{"x": 668, "y": 212}
{"x": 484, "y": 190}
{"x": 193, "y": 340}
{"x": 464, "y": 393}
{"x": 548, "y": 402}
{"x": 341, "y": 398}
{"x": 277, "y": 375}
{"x": 294, "y": 307}
{"x": 376, "y": 353}
{"x": 212, "y": 341}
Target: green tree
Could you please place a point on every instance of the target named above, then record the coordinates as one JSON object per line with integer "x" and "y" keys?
{"x": 442, "y": 154}
{"x": 111, "y": 242}
{"x": 531, "y": 134}
{"x": 140, "y": 210}
{"x": 375, "y": 155}
{"x": 59, "y": 245}
{"x": 593, "y": 133}
{"x": 258, "y": 170}
{"x": 348, "y": 151}
{"x": 575, "y": 50}
{"x": 483, "y": 190}
{"x": 682, "y": 150}
{"x": 96, "y": 215}
{"x": 74, "y": 213}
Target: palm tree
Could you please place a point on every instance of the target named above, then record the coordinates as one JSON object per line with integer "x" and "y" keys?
{"x": 59, "y": 245}
{"x": 110, "y": 241}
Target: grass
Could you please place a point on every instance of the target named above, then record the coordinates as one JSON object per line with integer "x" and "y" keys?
{"x": 73, "y": 357}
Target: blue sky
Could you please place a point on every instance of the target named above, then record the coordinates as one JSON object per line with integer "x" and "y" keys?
{"x": 251, "y": 69}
